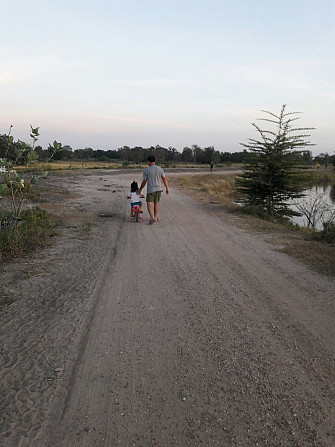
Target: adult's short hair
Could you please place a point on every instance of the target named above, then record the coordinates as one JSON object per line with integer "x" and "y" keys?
{"x": 151, "y": 158}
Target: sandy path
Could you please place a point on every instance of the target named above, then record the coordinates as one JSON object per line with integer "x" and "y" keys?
{"x": 189, "y": 332}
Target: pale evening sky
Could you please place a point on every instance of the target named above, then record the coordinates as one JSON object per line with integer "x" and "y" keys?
{"x": 105, "y": 73}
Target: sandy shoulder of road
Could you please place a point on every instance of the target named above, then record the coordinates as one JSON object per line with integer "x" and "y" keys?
{"x": 47, "y": 300}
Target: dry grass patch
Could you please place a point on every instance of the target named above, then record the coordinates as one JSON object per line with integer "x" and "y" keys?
{"x": 256, "y": 225}
{"x": 53, "y": 195}
{"x": 212, "y": 187}
{"x": 69, "y": 165}
{"x": 69, "y": 216}
{"x": 321, "y": 177}
{"x": 320, "y": 256}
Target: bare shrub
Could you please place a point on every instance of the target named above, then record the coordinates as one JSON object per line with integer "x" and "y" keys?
{"x": 315, "y": 209}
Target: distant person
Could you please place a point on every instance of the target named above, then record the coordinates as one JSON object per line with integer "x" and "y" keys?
{"x": 212, "y": 166}
{"x": 154, "y": 178}
{"x": 135, "y": 198}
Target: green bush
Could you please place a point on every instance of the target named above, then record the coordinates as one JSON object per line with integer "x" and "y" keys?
{"x": 34, "y": 230}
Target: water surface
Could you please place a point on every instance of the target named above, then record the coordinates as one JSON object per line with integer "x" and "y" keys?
{"x": 319, "y": 198}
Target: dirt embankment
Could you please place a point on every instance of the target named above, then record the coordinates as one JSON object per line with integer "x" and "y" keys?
{"x": 189, "y": 332}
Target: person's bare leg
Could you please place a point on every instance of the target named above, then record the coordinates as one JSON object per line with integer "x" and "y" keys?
{"x": 156, "y": 207}
{"x": 150, "y": 211}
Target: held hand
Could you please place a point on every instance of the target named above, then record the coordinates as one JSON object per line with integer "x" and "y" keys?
{"x": 167, "y": 191}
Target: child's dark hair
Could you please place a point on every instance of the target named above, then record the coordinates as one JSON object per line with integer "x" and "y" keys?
{"x": 134, "y": 186}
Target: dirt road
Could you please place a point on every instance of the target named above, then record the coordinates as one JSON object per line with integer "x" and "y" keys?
{"x": 189, "y": 332}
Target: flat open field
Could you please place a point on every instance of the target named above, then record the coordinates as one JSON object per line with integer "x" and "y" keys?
{"x": 188, "y": 332}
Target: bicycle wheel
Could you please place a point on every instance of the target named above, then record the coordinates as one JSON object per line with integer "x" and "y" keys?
{"x": 136, "y": 215}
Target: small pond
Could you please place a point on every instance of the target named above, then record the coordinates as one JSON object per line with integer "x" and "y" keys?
{"x": 318, "y": 203}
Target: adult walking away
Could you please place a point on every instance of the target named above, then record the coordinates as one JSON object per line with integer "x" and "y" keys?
{"x": 154, "y": 178}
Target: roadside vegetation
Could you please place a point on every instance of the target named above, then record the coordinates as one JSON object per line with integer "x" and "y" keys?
{"x": 22, "y": 230}
{"x": 35, "y": 230}
{"x": 274, "y": 172}
{"x": 274, "y": 176}
{"x": 219, "y": 188}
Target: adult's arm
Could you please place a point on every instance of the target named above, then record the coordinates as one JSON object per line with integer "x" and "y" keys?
{"x": 144, "y": 182}
{"x": 166, "y": 185}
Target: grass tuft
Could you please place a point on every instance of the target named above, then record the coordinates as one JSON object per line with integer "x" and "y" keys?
{"x": 34, "y": 231}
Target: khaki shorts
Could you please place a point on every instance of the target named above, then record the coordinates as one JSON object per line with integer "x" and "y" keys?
{"x": 154, "y": 196}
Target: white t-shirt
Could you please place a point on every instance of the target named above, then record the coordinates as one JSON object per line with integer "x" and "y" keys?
{"x": 134, "y": 197}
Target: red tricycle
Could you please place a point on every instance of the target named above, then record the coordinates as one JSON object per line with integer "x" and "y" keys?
{"x": 136, "y": 213}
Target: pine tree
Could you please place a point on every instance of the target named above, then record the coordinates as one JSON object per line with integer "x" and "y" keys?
{"x": 274, "y": 166}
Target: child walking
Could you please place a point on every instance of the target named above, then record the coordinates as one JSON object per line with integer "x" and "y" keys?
{"x": 135, "y": 196}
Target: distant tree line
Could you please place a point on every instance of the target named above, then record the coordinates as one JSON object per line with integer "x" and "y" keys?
{"x": 137, "y": 154}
